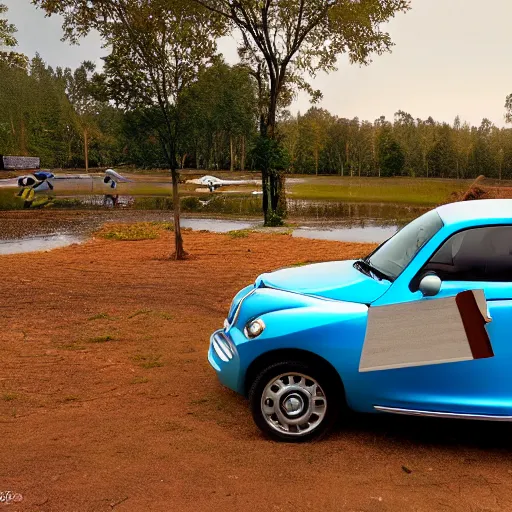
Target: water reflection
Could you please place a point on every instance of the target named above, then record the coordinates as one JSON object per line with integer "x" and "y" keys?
{"x": 251, "y": 205}
{"x": 369, "y": 233}
{"x": 304, "y": 208}
{"x": 37, "y": 243}
{"x": 216, "y": 225}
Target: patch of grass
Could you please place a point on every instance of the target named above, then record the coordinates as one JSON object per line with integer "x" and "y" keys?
{"x": 148, "y": 361}
{"x": 139, "y": 380}
{"x": 153, "y": 203}
{"x": 239, "y": 233}
{"x": 9, "y": 397}
{"x": 286, "y": 232}
{"x": 417, "y": 191}
{"x": 102, "y": 339}
{"x": 100, "y": 316}
{"x": 139, "y": 312}
{"x": 9, "y": 201}
{"x": 130, "y": 232}
{"x": 67, "y": 203}
{"x": 190, "y": 204}
{"x": 166, "y": 226}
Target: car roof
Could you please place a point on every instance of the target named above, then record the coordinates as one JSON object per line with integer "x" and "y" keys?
{"x": 479, "y": 209}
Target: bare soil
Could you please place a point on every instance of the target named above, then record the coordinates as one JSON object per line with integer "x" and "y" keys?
{"x": 107, "y": 401}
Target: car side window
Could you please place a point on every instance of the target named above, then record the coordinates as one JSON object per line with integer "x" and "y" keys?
{"x": 479, "y": 254}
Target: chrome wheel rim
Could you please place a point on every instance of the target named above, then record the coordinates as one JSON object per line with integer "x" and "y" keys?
{"x": 293, "y": 404}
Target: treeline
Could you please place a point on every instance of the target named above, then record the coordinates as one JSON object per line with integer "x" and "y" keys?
{"x": 40, "y": 115}
{"x": 59, "y": 115}
{"x": 319, "y": 142}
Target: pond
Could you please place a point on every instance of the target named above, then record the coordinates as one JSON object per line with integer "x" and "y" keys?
{"x": 227, "y": 204}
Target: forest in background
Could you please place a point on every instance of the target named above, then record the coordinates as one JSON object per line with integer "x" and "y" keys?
{"x": 54, "y": 113}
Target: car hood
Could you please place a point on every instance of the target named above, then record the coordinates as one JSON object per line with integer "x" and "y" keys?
{"x": 337, "y": 280}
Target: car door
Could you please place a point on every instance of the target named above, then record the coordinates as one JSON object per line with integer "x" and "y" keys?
{"x": 477, "y": 258}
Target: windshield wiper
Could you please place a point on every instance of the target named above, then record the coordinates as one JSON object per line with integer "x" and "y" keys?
{"x": 362, "y": 267}
{"x": 367, "y": 268}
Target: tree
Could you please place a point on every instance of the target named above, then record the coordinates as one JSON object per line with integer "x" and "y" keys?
{"x": 315, "y": 124}
{"x": 404, "y": 128}
{"x": 482, "y": 160}
{"x": 391, "y": 156}
{"x": 219, "y": 112}
{"x": 508, "y": 109}
{"x": 287, "y": 38}
{"x": 442, "y": 156}
{"x": 290, "y": 129}
{"x": 158, "y": 47}
{"x": 426, "y": 134}
{"x": 7, "y": 39}
{"x": 80, "y": 91}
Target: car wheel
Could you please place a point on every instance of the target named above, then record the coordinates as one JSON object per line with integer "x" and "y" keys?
{"x": 294, "y": 401}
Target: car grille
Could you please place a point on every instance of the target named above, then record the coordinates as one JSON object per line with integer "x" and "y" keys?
{"x": 223, "y": 347}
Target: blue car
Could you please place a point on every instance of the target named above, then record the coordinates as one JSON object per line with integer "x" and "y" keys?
{"x": 293, "y": 340}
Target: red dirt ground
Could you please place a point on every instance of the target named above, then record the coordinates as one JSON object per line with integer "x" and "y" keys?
{"x": 139, "y": 422}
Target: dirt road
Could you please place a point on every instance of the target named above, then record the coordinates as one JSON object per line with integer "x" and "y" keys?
{"x": 107, "y": 401}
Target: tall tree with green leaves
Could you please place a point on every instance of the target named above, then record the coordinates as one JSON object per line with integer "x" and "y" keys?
{"x": 291, "y": 38}
{"x": 8, "y": 41}
{"x": 157, "y": 49}
{"x": 80, "y": 90}
{"x": 219, "y": 111}
{"x": 391, "y": 156}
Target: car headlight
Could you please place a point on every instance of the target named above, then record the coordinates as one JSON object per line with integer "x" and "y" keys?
{"x": 254, "y": 328}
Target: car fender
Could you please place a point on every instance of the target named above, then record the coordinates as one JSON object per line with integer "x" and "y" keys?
{"x": 332, "y": 330}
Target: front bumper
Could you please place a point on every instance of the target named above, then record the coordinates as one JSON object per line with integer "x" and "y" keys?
{"x": 224, "y": 358}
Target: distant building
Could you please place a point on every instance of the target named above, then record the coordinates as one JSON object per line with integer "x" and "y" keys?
{"x": 19, "y": 163}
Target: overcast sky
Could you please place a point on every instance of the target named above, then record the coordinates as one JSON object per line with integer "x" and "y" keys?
{"x": 451, "y": 57}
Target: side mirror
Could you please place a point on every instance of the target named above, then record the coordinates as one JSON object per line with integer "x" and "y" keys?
{"x": 430, "y": 285}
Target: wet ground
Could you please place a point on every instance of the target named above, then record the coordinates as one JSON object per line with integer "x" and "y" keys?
{"x": 37, "y": 230}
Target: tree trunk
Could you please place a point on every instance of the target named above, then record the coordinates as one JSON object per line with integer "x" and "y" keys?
{"x": 231, "y": 154}
{"x": 266, "y": 193}
{"x": 242, "y": 155}
{"x": 273, "y": 180}
{"x": 316, "y": 162}
{"x": 179, "y": 252}
{"x": 23, "y": 139}
{"x": 86, "y": 150}
{"x": 13, "y": 131}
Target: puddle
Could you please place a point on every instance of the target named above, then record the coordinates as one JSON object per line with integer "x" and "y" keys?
{"x": 216, "y": 225}
{"x": 37, "y": 243}
{"x": 371, "y": 234}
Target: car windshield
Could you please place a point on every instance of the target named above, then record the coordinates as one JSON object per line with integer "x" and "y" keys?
{"x": 391, "y": 258}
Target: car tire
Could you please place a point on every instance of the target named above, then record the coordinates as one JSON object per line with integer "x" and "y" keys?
{"x": 295, "y": 401}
